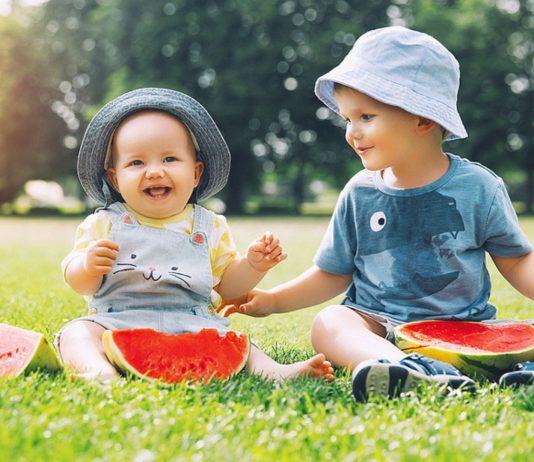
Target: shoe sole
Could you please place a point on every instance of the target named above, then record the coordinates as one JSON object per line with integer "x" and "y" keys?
{"x": 515, "y": 379}
{"x": 390, "y": 380}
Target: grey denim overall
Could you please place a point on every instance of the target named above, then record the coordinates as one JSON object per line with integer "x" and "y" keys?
{"x": 161, "y": 279}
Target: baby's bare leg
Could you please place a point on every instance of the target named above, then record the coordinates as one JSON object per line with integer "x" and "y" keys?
{"x": 347, "y": 339}
{"x": 260, "y": 363}
{"x": 80, "y": 346}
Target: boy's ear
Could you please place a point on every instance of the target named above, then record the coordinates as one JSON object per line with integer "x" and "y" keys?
{"x": 112, "y": 177}
{"x": 425, "y": 125}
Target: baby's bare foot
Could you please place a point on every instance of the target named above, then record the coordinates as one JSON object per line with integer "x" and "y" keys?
{"x": 316, "y": 367}
{"x": 100, "y": 376}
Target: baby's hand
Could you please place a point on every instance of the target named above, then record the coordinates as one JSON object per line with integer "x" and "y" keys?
{"x": 100, "y": 257}
{"x": 265, "y": 253}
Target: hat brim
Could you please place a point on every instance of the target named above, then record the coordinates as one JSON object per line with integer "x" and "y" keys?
{"x": 213, "y": 150}
{"x": 387, "y": 92}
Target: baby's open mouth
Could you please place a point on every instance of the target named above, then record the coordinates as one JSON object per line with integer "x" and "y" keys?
{"x": 157, "y": 191}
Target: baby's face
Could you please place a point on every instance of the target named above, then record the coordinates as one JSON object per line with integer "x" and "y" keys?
{"x": 382, "y": 135}
{"x": 154, "y": 164}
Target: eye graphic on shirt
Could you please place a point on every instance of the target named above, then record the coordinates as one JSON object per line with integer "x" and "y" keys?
{"x": 180, "y": 276}
{"x": 126, "y": 266}
{"x": 378, "y": 221}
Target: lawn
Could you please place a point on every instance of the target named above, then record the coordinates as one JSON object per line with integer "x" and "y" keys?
{"x": 54, "y": 418}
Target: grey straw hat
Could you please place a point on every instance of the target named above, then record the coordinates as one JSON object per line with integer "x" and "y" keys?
{"x": 212, "y": 149}
{"x": 404, "y": 68}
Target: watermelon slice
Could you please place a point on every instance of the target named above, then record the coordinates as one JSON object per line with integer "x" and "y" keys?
{"x": 24, "y": 351}
{"x": 476, "y": 349}
{"x": 169, "y": 358}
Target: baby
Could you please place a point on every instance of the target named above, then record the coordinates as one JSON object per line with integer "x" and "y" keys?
{"x": 152, "y": 257}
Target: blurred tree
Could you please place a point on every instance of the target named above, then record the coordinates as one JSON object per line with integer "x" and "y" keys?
{"x": 252, "y": 64}
{"x": 77, "y": 65}
{"x": 31, "y": 134}
{"x": 294, "y": 137}
{"x": 494, "y": 43}
{"x": 513, "y": 23}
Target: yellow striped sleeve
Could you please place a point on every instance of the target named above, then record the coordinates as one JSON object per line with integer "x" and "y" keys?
{"x": 223, "y": 250}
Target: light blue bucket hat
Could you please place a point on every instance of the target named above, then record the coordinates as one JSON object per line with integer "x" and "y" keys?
{"x": 404, "y": 68}
{"x": 211, "y": 146}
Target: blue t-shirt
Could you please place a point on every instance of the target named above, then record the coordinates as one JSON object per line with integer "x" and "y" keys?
{"x": 420, "y": 253}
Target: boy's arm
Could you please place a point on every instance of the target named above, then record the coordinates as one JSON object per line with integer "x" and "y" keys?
{"x": 518, "y": 271}
{"x": 84, "y": 272}
{"x": 312, "y": 287}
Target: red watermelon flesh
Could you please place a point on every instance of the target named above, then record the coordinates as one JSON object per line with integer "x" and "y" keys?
{"x": 174, "y": 358}
{"x": 483, "y": 349}
{"x": 23, "y": 350}
{"x": 475, "y": 337}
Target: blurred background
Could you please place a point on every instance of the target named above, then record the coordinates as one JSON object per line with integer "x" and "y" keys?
{"x": 253, "y": 64}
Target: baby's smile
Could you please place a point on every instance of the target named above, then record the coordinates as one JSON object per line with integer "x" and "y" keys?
{"x": 157, "y": 192}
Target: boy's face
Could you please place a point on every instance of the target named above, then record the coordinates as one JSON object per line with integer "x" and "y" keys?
{"x": 382, "y": 135}
{"x": 154, "y": 164}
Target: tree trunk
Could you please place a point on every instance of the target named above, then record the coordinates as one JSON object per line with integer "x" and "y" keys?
{"x": 234, "y": 195}
{"x": 298, "y": 188}
{"x": 529, "y": 189}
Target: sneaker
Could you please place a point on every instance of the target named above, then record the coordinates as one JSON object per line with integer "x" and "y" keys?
{"x": 521, "y": 374}
{"x": 385, "y": 378}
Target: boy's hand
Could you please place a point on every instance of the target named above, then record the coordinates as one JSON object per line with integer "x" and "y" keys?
{"x": 100, "y": 256}
{"x": 259, "y": 303}
{"x": 265, "y": 253}
{"x": 230, "y": 306}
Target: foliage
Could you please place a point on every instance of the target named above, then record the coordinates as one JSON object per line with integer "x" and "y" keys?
{"x": 496, "y": 97}
{"x": 254, "y": 71}
{"x": 253, "y": 64}
{"x": 30, "y": 133}
{"x": 51, "y": 417}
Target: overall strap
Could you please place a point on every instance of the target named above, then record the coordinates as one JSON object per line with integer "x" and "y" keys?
{"x": 202, "y": 221}
{"x": 117, "y": 213}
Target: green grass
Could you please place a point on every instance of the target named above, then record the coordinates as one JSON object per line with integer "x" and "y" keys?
{"x": 51, "y": 417}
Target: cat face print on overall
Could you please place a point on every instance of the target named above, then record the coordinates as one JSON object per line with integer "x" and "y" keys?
{"x": 154, "y": 164}
{"x": 133, "y": 262}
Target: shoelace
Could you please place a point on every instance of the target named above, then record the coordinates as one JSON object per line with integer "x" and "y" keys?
{"x": 427, "y": 366}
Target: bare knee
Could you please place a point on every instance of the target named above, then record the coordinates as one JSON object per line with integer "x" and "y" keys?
{"x": 326, "y": 324}
{"x": 325, "y": 320}
{"x": 80, "y": 347}
{"x": 336, "y": 320}
{"x": 79, "y": 332}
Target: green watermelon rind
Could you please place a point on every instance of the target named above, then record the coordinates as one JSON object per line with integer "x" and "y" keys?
{"x": 43, "y": 356}
{"x": 477, "y": 365}
{"x": 117, "y": 359}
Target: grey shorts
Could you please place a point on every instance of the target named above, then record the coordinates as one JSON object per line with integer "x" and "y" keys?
{"x": 387, "y": 323}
